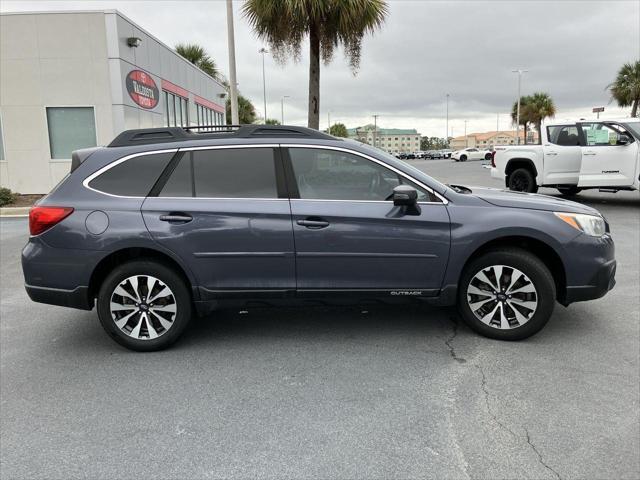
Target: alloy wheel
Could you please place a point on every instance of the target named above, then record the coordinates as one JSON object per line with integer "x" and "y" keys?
{"x": 502, "y": 297}
{"x": 143, "y": 307}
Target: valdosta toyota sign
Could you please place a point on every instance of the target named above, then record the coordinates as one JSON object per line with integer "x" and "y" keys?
{"x": 142, "y": 89}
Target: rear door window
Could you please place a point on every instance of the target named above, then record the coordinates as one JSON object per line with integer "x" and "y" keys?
{"x": 563, "y": 135}
{"x": 133, "y": 177}
{"x": 224, "y": 173}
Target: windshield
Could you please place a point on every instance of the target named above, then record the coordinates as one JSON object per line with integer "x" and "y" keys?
{"x": 407, "y": 166}
{"x": 634, "y": 128}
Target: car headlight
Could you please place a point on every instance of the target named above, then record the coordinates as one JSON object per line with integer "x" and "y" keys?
{"x": 592, "y": 225}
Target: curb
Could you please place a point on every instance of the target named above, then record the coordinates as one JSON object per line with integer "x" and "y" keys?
{"x": 14, "y": 212}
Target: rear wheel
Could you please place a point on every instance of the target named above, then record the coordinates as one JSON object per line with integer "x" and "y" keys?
{"x": 487, "y": 156}
{"x": 144, "y": 305}
{"x": 506, "y": 294}
{"x": 463, "y": 158}
{"x": 522, "y": 180}
{"x": 569, "y": 191}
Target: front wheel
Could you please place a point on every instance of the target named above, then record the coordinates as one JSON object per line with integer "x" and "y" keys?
{"x": 569, "y": 191}
{"x": 463, "y": 158}
{"x": 487, "y": 156}
{"x": 144, "y": 305}
{"x": 522, "y": 180}
{"x": 506, "y": 294}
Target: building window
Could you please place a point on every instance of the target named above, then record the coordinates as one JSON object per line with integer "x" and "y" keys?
{"x": 176, "y": 110}
{"x": 208, "y": 116}
{"x": 70, "y": 128}
{"x": 1, "y": 142}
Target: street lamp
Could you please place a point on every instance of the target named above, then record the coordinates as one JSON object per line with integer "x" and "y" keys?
{"x": 264, "y": 83}
{"x": 446, "y": 136}
{"x": 466, "y": 140}
{"x": 282, "y": 108}
{"x": 519, "y": 72}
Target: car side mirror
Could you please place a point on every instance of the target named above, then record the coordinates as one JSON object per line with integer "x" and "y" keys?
{"x": 624, "y": 139}
{"x": 405, "y": 195}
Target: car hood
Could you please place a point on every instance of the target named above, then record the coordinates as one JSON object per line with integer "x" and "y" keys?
{"x": 532, "y": 201}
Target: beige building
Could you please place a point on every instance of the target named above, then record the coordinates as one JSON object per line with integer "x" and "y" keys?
{"x": 488, "y": 140}
{"x": 71, "y": 80}
{"x": 391, "y": 140}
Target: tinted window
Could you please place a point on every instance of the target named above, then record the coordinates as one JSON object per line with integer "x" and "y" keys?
{"x": 133, "y": 177}
{"x": 334, "y": 175}
{"x": 224, "y": 173}
{"x": 564, "y": 135}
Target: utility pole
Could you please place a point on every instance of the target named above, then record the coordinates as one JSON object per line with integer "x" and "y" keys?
{"x": 264, "y": 83}
{"x": 466, "y": 139}
{"x": 375, "y": 129}
{"x": 497, "y": 123}
{"x": 231, "y": 44}
{"x": 329, "y": 122}
{"x": 282, "y": 108}
{"x": 446, "y": 137}
{"x": 519, "y": 72}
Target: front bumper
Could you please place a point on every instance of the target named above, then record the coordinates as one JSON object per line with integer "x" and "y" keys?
{"x": 592, "y": 268}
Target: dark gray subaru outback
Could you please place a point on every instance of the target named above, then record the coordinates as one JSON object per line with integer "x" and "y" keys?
{"x": 166, "y": 221}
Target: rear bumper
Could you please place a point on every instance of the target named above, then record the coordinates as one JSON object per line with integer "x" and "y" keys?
{"x": 76, "y": 298}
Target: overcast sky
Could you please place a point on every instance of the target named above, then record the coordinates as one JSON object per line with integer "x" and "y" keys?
{"x": 425, "y": 50}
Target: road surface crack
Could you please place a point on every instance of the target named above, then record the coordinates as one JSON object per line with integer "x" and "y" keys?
{"x": 449, "y": 342}
{"x": 540, "y": 459}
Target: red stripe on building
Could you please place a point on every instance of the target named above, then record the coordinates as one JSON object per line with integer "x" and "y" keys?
{"x": 206, "y": 103}
{"x": 170, "y": 87}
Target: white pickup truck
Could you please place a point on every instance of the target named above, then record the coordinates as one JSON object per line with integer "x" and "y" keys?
{"x": 574, "y": 156}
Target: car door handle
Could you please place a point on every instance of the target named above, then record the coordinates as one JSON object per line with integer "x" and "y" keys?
{"x": 549, "y": 154}
{"x": 589, "y": 152}
{"x": 176, "y": 218}
{"x": 313, "y": 224}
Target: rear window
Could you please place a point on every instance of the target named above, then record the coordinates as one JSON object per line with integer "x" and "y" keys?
{"x": 134, "y": 177}
{"x": 224, "y": 173}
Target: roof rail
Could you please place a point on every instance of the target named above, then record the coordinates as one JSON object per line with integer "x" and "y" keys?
{"x": 148, "y": 136}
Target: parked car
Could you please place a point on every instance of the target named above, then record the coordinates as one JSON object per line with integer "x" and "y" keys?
{"x": 471, "y": 154}
{"x": 446, "y": 153}
{"x": 163, "y": 222}
{"x": 431, "y": 154}
{"x": 574, "y": 156}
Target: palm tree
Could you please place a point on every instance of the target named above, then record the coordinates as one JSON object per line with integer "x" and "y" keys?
{"x": 539, "y": 106}
{"x": 246, "y": 110}
{"x": 200, "y": 58}
{"x": 283, "y": 24}
{"x": 625, "y": 89}
{"x": 339, "y": 130}
{"x": 525, "y": 118}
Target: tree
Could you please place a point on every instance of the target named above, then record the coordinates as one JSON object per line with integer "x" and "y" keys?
{"x": 625, "y": 89}
{"x": 433, "y": 143}
{"x": 283, "y": 24}
{"x": 246, "y": 110}
{"x": 525, "y": 118}
{"x": 200, "y": 58}
{"x": 339, "y": 130}
{"x": 539, "y": 106}
{"x": 272, "y": 121}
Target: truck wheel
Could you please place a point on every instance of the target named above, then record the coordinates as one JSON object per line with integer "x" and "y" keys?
{"x": 507, "y": 294}
{"x": 463, "y": 158}
{"x": 144, "y": 305}
{"x": 569, "y": 191}
{"x": 522, "y": 180}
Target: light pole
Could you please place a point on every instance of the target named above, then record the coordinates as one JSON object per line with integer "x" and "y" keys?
{"x": 282, "y": 108}
{"x": 264, "y": 83}
{"x": 375, "y": 129}
{"x": 329, "y": 122}
{"x": 233, "y": 87}
{"x": 519, "y": 72}
{"x": 466, "y": 140}
{"x": 446, "y": 137}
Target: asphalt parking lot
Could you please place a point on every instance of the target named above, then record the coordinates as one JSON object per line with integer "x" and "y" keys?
{"x": 375, "y": 392}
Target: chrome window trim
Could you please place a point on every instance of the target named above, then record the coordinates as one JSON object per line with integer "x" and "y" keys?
{"x": 372, "y": 159}
{"x": 102, "y": 170}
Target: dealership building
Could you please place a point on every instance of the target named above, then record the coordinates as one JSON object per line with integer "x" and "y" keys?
{"x": 71, "y": 80}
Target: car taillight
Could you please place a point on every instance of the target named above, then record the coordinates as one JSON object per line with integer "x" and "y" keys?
{"x": 43, "y": 218}
{"x": 493, "y": 158}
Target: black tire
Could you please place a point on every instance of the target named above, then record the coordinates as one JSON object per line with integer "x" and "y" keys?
{"x": 569, "y": 191}
{"x": 180, "y": 296}
{"x": 463, "y": 158}
{"x": 522, "y": 180}
{"x": 487, "y": 156}
{"x": 533, "y": 268}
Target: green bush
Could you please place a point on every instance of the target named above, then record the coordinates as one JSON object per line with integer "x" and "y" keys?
{"x": 7, "y": 196}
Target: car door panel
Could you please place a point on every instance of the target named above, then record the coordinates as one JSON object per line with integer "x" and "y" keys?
{"x": 370, "y": 245}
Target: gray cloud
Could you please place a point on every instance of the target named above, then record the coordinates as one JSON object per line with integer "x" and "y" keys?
{"x": 426, "y": 49}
